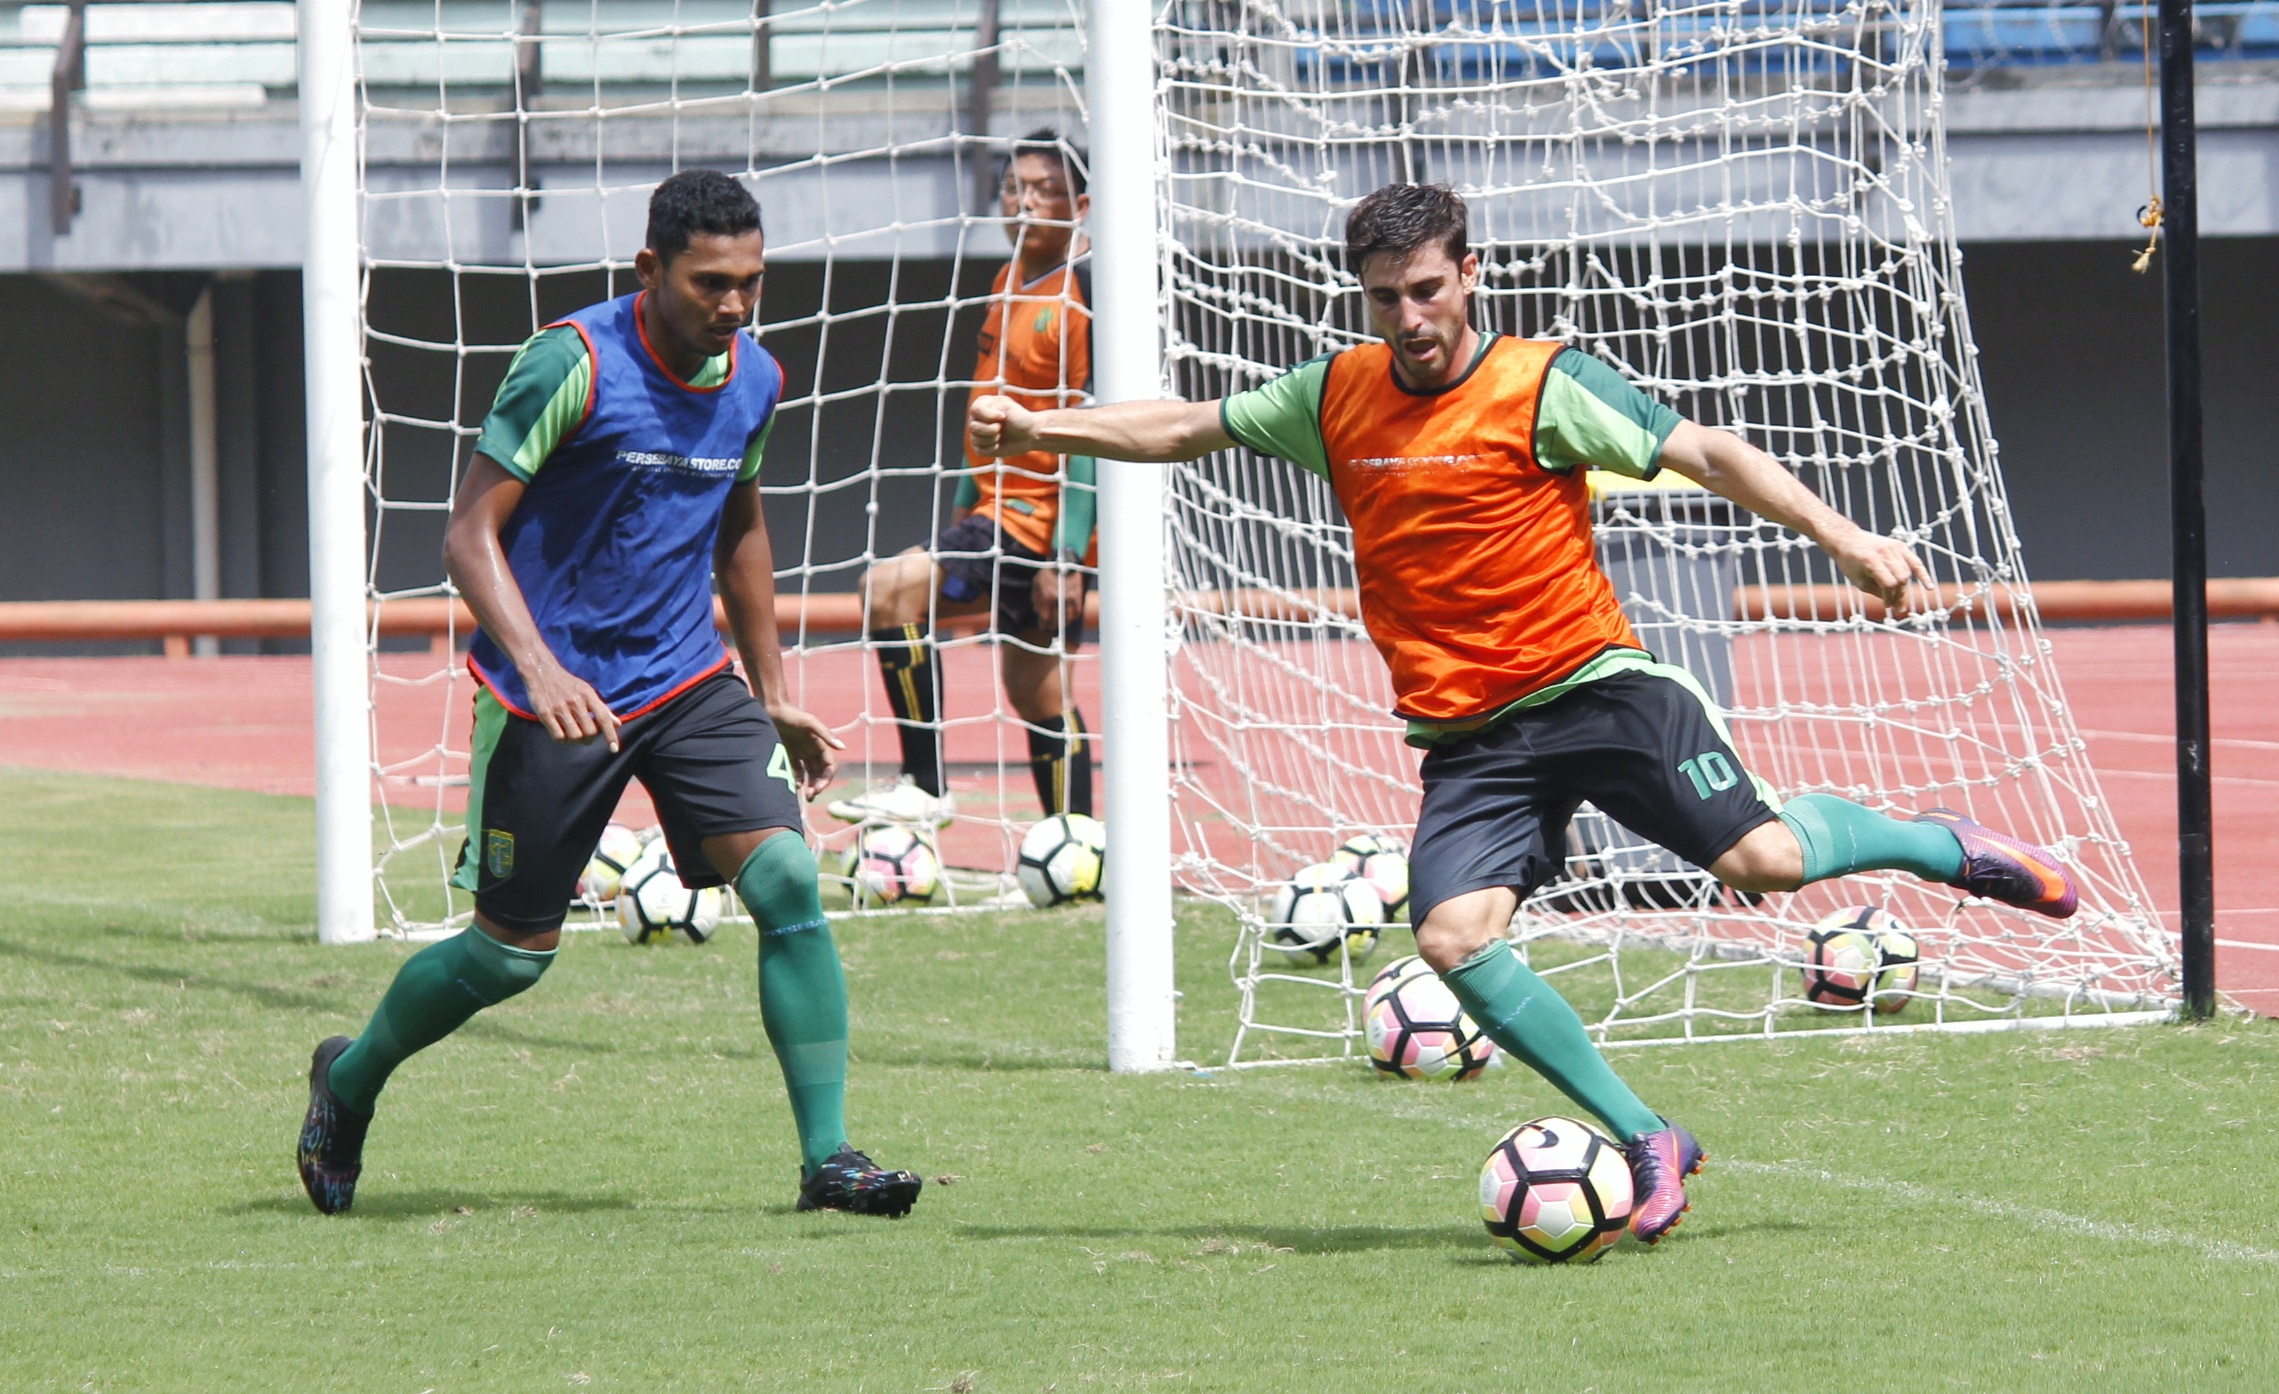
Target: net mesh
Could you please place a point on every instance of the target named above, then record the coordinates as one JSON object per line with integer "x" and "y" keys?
{"x": 1740, "y": 205}
{"x": 509, "y": 150}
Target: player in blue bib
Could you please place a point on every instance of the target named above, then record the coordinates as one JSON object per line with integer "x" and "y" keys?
{"x": 617, "y": 477}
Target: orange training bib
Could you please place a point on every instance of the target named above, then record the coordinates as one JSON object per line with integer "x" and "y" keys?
{"x": 1479, "y": 581}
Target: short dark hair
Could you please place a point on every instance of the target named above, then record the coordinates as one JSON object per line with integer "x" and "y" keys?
{"x": 1046, "y": 141}
{"x": 694, "y": 201}
{"x": 1404, "y": 218}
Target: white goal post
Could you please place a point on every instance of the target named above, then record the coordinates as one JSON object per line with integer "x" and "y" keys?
{"x": 332, "y": 357}
{"x": 1739, "y": 204}
{"x": 1120, "y": 73}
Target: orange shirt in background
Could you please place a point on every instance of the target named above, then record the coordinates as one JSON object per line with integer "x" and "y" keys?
{"x": 1035, "y": 347}
{"x": 1478, "y": 579}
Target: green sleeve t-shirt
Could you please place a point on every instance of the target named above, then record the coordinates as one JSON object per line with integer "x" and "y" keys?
{"x": 1589, "y": 417}
{"x": 548, "y": 389}
{"x": 1079, "y": 504}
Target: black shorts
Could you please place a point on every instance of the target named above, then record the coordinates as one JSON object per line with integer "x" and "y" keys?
{"x": 1647, "y": 749}
{"x": 536, "y": 806}
{"x": 979, "y": 559}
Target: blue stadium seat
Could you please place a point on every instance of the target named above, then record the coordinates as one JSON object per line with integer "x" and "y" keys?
{"x": 2258, "y": 33}
{"x": 2023, "y": 35}
{"x": 1493, "y": 38}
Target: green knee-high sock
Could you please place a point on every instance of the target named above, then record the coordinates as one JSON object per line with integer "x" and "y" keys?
{"x": 803, "y": 991}
{"x": 1527, "y": 1017}
{"x": 434, "y": 993}
{"x": 1839, "y": 837}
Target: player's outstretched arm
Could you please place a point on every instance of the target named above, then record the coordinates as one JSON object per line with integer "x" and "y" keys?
{"x": 1152, "y": 431}
{"x": 565, "y": 704}
{"x": 1725, "y": 464}
{"x": 744, "y": 561}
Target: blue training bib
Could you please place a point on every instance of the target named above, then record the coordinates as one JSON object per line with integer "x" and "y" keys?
{"x": 612, "y": 542}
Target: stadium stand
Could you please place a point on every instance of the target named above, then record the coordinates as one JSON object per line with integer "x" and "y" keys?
{"x": 239, "y": 53}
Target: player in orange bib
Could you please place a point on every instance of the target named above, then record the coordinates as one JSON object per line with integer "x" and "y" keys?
{"x": 1020, "y": 532}
{"x": 1459, "y": 458}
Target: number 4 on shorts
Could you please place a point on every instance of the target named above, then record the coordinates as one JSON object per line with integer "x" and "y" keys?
{"x": 779, "y": 767}
{"x": 1710, "y": 771}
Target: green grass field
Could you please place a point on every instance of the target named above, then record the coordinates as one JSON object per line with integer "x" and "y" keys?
{"x": 590, "y": 1187}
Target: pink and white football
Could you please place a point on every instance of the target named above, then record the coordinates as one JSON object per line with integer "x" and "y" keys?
{"x": 1556, "y": 1190}
{"x": 890, "y": 864}
{"x": 1418, "y": 1030}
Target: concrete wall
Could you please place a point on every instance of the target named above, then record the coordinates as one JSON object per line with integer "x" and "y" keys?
{"x": 94, "y": 421}
{"x": 2034, "y": 153}
{"x": 2071, "y": 350}
{"x": 94, "y": 456}
{"x": 2044, "y": 154}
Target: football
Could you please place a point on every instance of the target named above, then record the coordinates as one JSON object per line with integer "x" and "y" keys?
{"x": 1358, "y": 848}
{"x": 1063, "y": 858}
{"x": 1556, "y": 1191}
{"x": 891, "y": 864}
{"x": 1418, "y": 1030}
{"x": 1861, "y": 955}
{"x": 653, "y": 905}
{"x": 1386, "y": 870}
{"x": 1321, "y": 907}
{"x": 605, "y": 870}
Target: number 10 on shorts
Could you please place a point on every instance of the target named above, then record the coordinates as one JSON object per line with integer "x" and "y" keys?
{"x": 1710, "y": 771}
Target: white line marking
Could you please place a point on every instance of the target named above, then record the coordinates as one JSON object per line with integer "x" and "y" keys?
{"x": 2241, "y": 741}
{"x": 2171, "y": 775}
{"x": 2244, "y": 944}
{"x": 2056, "y": 1221}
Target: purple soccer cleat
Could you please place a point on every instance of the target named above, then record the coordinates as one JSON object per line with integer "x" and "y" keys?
{"x": 1998, "y": 866}
{"x": 1659, "y": 1165}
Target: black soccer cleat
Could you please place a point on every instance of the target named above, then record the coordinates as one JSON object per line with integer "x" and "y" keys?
{"x": 854, "y": 1183}
{"x": 331, "y": 1152}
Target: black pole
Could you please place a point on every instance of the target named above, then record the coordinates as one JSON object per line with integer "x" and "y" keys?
{"x": 2188, "y": 514}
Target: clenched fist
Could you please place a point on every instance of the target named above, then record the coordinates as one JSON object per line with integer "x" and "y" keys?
{"x": 1000, "y": 426}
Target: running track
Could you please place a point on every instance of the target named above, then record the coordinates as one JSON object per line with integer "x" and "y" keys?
{"x": 244, "y": 723}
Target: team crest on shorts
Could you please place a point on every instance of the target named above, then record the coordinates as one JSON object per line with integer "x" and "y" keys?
{"x": 498, "y": 853}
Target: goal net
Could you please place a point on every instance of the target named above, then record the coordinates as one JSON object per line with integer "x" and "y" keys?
{"x": 508, "y": 154}
{"x": 1741, "y": 204}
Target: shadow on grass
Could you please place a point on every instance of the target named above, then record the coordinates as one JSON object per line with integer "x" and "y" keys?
{"x": 267, "y": 995}
{"x": 955, "y": 1056}
{"x": 1692, "y": 1232}
{"x": 479, "y": 1028}
{"x": 1499, "y": 1261}
{"x": 441, "y": 1204}
{"x": 1335, "y": 1239}
{"x": 1697, "y": 1229}
{"x": 283, "y": 998}
{"x": 253, "y": 933}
